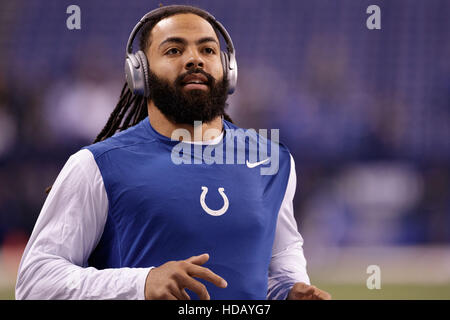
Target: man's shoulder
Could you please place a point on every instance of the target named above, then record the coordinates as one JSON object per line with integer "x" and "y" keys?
{"x": 132, "y": 136}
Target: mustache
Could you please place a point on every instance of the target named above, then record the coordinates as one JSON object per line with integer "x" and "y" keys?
{"x": 180, "y": 78}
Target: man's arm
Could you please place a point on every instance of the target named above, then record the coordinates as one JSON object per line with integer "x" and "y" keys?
{"x": 288, "y": 278}
{"x": 70, "y": 224}
{"x": 288, "y": 264}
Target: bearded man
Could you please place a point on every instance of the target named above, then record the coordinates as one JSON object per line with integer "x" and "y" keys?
{"x": 123, "y": 221}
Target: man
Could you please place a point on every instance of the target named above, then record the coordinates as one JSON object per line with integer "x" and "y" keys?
{"x": 123, "y": 221}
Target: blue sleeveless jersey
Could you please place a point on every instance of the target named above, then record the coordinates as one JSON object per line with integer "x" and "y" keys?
{"x": 161, "y": 211}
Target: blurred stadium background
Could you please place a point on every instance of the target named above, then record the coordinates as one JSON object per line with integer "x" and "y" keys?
{"x": 366, "y": 114}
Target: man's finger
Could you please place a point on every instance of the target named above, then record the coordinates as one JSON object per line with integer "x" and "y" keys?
{"x": 198, "y": 260}
{"x": 322, "y": 295}
{"x": 181, "y": 294}
{"x": 184, "y": 295}
{"x": 304, "y": 292}
{"x": 208, "y": 275}
{"x": 307, "y": 290}
{"x": 197, "y": 287}
{"x": 170, "y": 296}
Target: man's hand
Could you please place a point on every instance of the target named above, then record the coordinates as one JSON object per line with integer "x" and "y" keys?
{"x": 302, "y": 291}
{"x": 169, "y": 281}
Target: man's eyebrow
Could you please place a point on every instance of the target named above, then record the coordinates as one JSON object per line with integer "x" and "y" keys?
{"x": 207, "y": 39}
{"x": 173, "y": 39}
{"x": 184, "y": 42}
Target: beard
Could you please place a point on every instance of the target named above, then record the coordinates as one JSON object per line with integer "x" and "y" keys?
{"x": 185, "y": 107}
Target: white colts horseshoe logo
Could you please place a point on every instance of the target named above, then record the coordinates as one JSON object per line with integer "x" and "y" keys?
{"x": 215, "y": 213}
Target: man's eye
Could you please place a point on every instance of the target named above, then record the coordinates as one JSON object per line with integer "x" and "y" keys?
{"x": 209, "y": 50}
{"x": 173, "y": 51}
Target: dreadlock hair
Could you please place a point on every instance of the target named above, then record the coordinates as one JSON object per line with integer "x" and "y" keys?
{"x": 132, "y": 109}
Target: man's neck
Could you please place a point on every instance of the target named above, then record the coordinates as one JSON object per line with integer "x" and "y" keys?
{"x": 166, "y": 127}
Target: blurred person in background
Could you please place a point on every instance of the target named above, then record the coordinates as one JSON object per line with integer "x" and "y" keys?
{"x": 88, "y": 92}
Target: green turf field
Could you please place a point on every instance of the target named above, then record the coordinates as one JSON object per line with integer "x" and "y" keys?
{"x": 387, "y": 292}
{"x": 357, "y": 292}
{"x": 6, "y": 294}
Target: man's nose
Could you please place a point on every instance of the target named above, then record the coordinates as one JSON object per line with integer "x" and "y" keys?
{"x": 194, "y": 62}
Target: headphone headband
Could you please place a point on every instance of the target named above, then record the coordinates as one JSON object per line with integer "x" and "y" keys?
{"x": 217, "y": 24}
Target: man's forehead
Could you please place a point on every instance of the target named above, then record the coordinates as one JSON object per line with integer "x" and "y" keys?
{"x": 182, "y": 25}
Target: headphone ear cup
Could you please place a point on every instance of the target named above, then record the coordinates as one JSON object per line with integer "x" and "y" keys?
{"x": 132, "y": 73}
{"x": 225, "y": 64}
{"x": 230, "y": 74}
{"x": 135, "y": 74}
{"x": 144, "y": 64}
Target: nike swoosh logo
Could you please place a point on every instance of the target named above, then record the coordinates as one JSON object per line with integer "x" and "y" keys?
{"x": 255, "y": 164}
